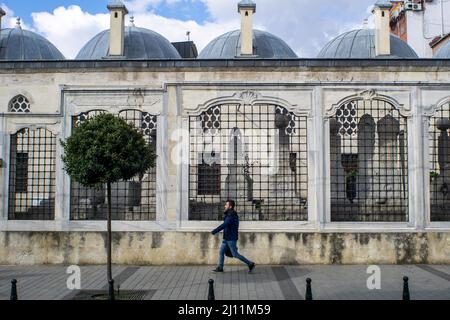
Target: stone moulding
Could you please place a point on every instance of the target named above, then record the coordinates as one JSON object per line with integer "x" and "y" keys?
{"x": 368, "y": 95}
{"x": 243, "y": 98}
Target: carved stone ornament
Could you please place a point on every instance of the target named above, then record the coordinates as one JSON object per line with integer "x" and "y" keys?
{"x": 368, "y": 95}
{"x": 247, "y": 97}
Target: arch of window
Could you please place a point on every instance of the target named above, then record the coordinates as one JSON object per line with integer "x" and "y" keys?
{"x": 19, "y": 104}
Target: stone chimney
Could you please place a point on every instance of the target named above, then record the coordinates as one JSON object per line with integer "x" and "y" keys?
{"x": 382, "y": 28}
{"x": 246, "y": 8}
{"x": 118, "y": 11}
{"x": 2, "y": 13}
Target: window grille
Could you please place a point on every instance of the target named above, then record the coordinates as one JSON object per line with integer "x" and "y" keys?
{"x": 255, "y": 155}
{"x": 132, "y": 200}
{"x": 369, "y": 163}
{"x": 439, "y": 130}
{"x": 32, "y": 175}
{"x": 19, "y": 104}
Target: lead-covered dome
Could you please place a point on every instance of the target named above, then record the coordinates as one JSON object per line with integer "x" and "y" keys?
{"x": 360, "y": 44}
{"x": 139, "y": 43}
{"x": 19, "y": 44}
{"x": 266, "y": 46}
{"x": 443, "y": 52}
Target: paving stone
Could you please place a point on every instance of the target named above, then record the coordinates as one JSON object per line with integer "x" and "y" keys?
{"x": 266, "y": 283}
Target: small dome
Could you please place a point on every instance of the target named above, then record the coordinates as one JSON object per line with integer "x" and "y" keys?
{"x": 360, "y": 44}
{"x": 140, "y": 43}
{"x": 228, "y": 46}
{"x": 19, "y": 44}
{"x": 443, "y": 52}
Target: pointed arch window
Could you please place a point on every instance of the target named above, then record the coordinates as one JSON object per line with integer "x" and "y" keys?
{"x": 19, "y": 103}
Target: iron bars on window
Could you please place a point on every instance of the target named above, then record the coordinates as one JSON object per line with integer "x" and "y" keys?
{"x": 368, "y": 163}
{"x": 256, "y": 155}
{"x": 440, "y": 164}
{"x": 132, "y": 200}
{"x": 32, "y": 175}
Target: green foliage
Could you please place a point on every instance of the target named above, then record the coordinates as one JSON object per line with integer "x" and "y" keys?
{"x": 351, "y": 174}
{"x": 434, "y": 175}
{"x": 106, "y": 149}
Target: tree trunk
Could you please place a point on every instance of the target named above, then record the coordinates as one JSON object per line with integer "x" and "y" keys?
{"x": 109, "y": 236}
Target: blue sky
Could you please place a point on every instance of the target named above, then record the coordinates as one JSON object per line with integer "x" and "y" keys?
{"x": 188, "y": 10}
{"x": 305, "y": 25}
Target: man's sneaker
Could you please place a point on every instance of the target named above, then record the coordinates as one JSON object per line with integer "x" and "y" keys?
{"x": 218, "y": 269}
{"x": 251, "y": 267}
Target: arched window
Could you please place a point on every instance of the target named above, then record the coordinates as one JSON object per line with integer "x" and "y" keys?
{"x": 439, "y": 130}
{"x": 19, "y": 104}
{"x": 32, "y": 175}
{"x": 256, "y": 155}
{"x": 368, "y": 162}
{"x": 132, "y": 200}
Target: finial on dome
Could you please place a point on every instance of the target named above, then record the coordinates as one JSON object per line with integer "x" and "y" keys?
{"x": 132, "y": 21}
{"x": 366, "y": 24}
{"x": 18, "y": 22}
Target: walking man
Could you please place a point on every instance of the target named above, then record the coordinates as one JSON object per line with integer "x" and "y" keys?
{"x": 230, "y": 229}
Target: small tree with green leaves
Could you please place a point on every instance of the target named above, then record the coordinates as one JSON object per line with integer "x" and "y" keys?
{"x": 103, "y": 150}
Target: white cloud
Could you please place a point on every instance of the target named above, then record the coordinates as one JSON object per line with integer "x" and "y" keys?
{"x": 69, "y": 28}
{"x": 304, "y": 24}
{"x": 139, "y": 6}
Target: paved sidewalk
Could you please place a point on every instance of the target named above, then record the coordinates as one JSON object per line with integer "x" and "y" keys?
{"x": 265, "y": 283}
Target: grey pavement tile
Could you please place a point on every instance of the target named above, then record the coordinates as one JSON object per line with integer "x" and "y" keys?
{"x": 191, "y": 282}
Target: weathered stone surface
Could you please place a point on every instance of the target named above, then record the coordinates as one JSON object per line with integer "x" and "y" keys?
{"x": 197, "y": 248}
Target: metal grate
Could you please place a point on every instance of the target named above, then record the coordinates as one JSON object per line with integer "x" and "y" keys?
{"x": 32, "y": 175}
{"x": 121, "y": 295}
{"x": 132, "y": 200}
{"x": 440, "y": 164}
{"x": 256, "y": 155}
{"x": 19, "y": 104}
{"x": 368, "y": 163}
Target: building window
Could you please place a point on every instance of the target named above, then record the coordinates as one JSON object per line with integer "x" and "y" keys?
{"x": 32, "y": 175}
{"x": 132, "y": 200}
{"x": 440, "y": 164}
{"x": 21, "y": 172}
{"x": 19, "y": 104}
{"x": 208, "y": 179}
{"x": 368, "y": 163}
{"x": 256, "y": 155}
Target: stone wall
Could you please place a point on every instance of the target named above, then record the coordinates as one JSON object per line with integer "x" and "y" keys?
{"x": 201, "y": 248}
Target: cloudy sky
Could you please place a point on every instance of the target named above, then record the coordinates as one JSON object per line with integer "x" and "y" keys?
{"x": 306, "y": 25}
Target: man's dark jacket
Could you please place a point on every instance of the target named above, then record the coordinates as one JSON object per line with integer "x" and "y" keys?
{"x": 230, "y": 226}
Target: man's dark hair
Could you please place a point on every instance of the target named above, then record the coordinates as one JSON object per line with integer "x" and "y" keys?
{"x": 232, "y": 203}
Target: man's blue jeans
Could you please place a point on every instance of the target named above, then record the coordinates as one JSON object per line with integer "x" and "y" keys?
{"x": 234, "y": 251}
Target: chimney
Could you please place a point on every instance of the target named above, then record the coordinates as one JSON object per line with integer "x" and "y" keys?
{"x": 118, "y": 11}
{"x": 246, "y": 8}
{"x": 382, "y": 28}
{"x": 2, "y": 13}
